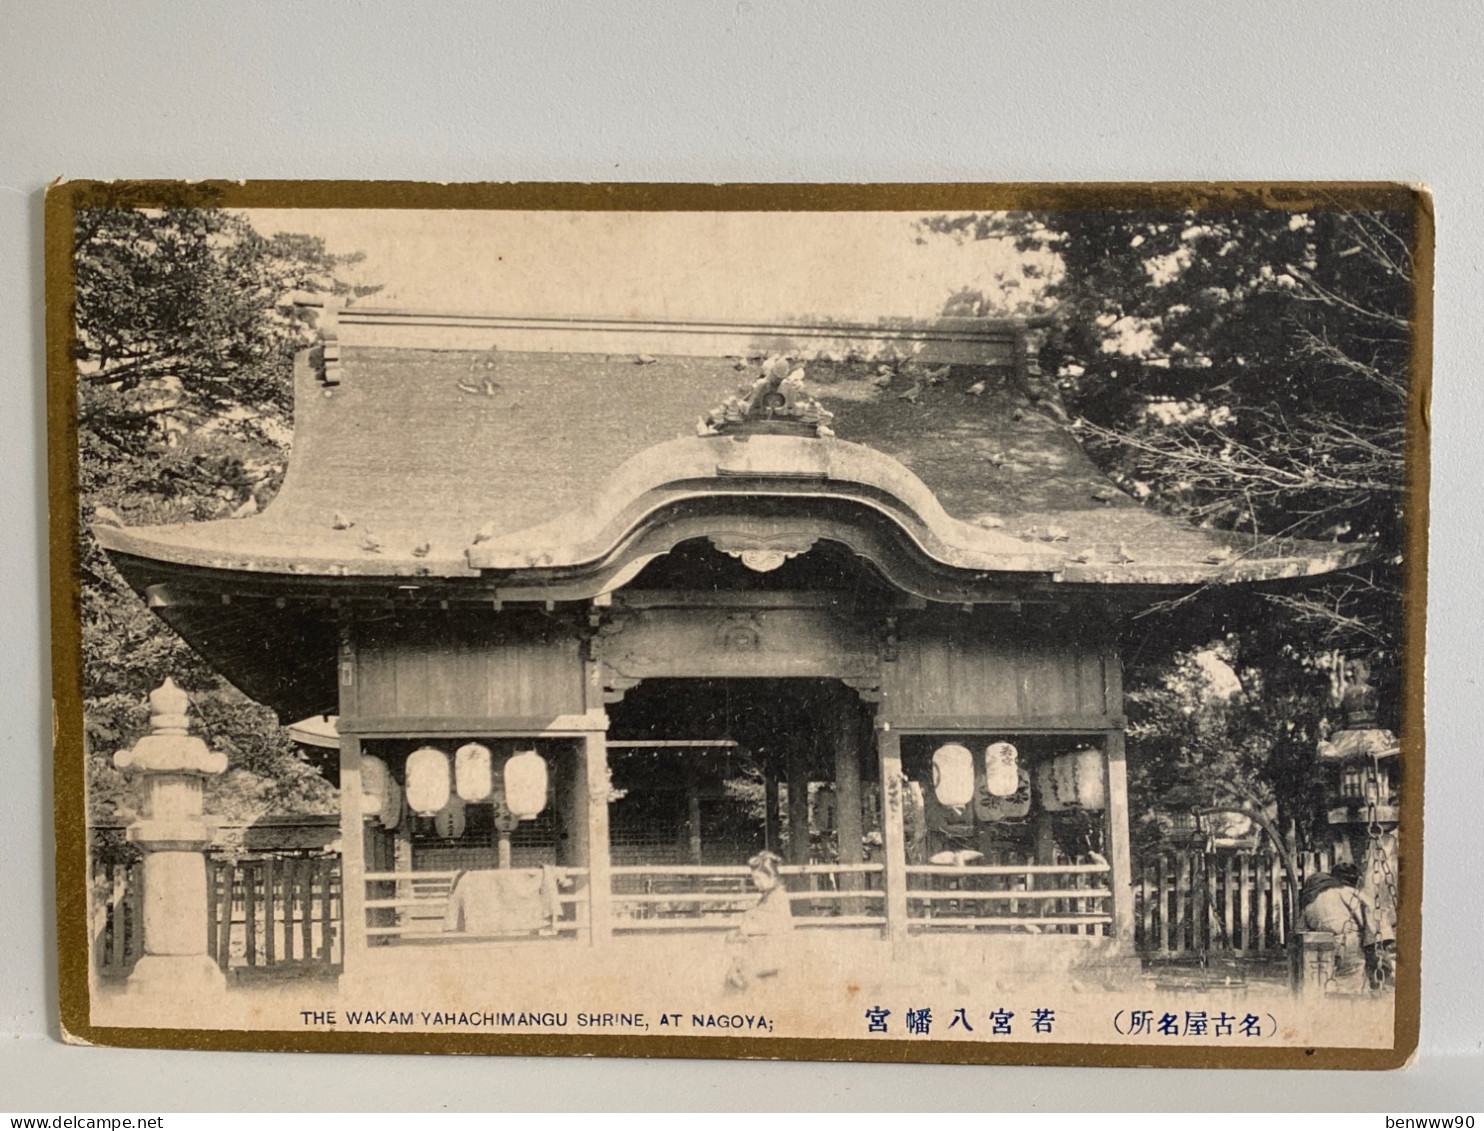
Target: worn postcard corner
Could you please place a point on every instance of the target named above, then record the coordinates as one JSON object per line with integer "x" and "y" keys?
{"x": 958, "y": 623}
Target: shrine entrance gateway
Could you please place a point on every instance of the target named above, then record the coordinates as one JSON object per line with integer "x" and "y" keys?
{"x": 684, "y": 728}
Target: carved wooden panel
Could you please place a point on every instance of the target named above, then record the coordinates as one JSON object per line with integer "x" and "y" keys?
{"x": 744, "y": 643}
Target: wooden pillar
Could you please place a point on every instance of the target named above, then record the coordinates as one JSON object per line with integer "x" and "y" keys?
{"x": 594, "y": 775}
{"x": 847, "y": 738}
{"x": 352, "y": 857}
{"x": 1045, "y": 843}
{"x": 402, "y": 864}
{"x": 893, "y": 839}
{"x": 771, "y": 839}
{"x": 1120, "y": 858}
{"x": 571, "y": 812}
{"x": 692, "y": 816}
{"x": 798, "y": 804}
{"x": 574, "y": 819}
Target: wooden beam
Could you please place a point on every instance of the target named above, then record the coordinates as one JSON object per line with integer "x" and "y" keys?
{"x": 771, "y": 839}
{"x": 572, "y": 848}
{"x": 692, "y": 816}
{"x": 1006, "y": 724}
{"x": 798, "y": 803}
{"x": 671, "y": 743}
{"x": 744, "y": 599}
{"x": 352, "y": 858}
{"x": 846, "y": 734}
{"x": 1120, "y": 857}
{"x": 893, "y": 836}
{"x": 594, "y": 786}
{"x": 402, "y": 862}
{"x": 473, "y": 726}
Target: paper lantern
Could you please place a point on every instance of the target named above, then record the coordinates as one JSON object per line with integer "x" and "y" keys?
{"x": 391, "y": 811}
{"x": 427, "y": 781}
{"x": 1001, "y": 769}
{"x": 374, "y": 778}
{"x": 1073, "y": 781}
{"x": 473, "y": 772}
{"x": 449, "y": 822}
{"x": 991, "y": 809}
{"x": 505, "y": 820}
{"x": 953, "y": 775}
{"x": 525, "y": 784}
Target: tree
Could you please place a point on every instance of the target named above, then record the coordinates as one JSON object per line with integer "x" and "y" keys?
{"x": 185, "y": 333}
{"x": 1247, "y": 370}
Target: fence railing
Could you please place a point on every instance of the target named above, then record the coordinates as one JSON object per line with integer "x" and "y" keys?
{"x": 413, "y": 907}
{"x": 1194, "y": 902}
{"x": 118, "y": 917}
{"x": 286, "y": 912}
{"x": 282, "y": 912}
{"x": 714, "y": 897}
{"x": 1039, "y": 898}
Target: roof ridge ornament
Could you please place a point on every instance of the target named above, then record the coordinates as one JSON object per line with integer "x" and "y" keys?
{"x": 776, "y": 404}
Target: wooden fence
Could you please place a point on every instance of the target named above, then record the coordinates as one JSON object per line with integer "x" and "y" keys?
{"x": 1045, "y": 898}
{"x": 286, "y": 912}
{"x": 1194, "y": 902}
{"x": 269, "y": 912}
{"x": 118, "y": 922}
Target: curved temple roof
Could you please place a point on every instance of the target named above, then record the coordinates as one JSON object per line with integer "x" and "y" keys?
{"x": 465, "y": 446}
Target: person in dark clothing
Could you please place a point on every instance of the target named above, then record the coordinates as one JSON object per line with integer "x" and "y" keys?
{"x": 1330, "y": 902}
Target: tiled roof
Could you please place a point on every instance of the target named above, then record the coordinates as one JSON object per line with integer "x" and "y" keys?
{"x": 404, "y": 456}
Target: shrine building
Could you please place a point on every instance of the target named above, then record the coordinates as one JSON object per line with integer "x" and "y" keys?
{"x": 605, "y": 607}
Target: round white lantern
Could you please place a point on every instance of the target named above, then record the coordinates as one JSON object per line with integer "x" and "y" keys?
{"x": 449, "y": 822}
{"x": 473, "y": 772}
{"x": 428, "y": 783}
{"x": 1001, "y": 769}
{"x": 1073, "y": 781}
{"x": 525, "y": 784}
{"x": 374, "y": 778}
{"x": 953, "y": 775}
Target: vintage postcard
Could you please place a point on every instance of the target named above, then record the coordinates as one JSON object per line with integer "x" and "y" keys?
{"x": 934, "y": 623}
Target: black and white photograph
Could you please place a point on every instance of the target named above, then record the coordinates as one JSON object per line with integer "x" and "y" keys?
{"x": 725, "y": 622}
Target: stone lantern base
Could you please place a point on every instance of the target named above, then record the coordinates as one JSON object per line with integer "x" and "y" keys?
{"x": 179, "y": 976}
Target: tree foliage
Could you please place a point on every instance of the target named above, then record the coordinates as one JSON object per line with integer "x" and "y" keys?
{"x": 184, "y": 338}
{"x": 1247, "y": 370}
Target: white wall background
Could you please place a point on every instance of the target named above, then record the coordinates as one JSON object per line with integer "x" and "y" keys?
{"x": 750, "y": 90}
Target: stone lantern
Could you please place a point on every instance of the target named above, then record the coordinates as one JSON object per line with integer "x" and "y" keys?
{"x": 173, "y": 835}
{"x": 1361, "y": 763}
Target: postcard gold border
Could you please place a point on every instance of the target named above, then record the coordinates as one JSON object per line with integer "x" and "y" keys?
{"x": 65, "y": 198}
